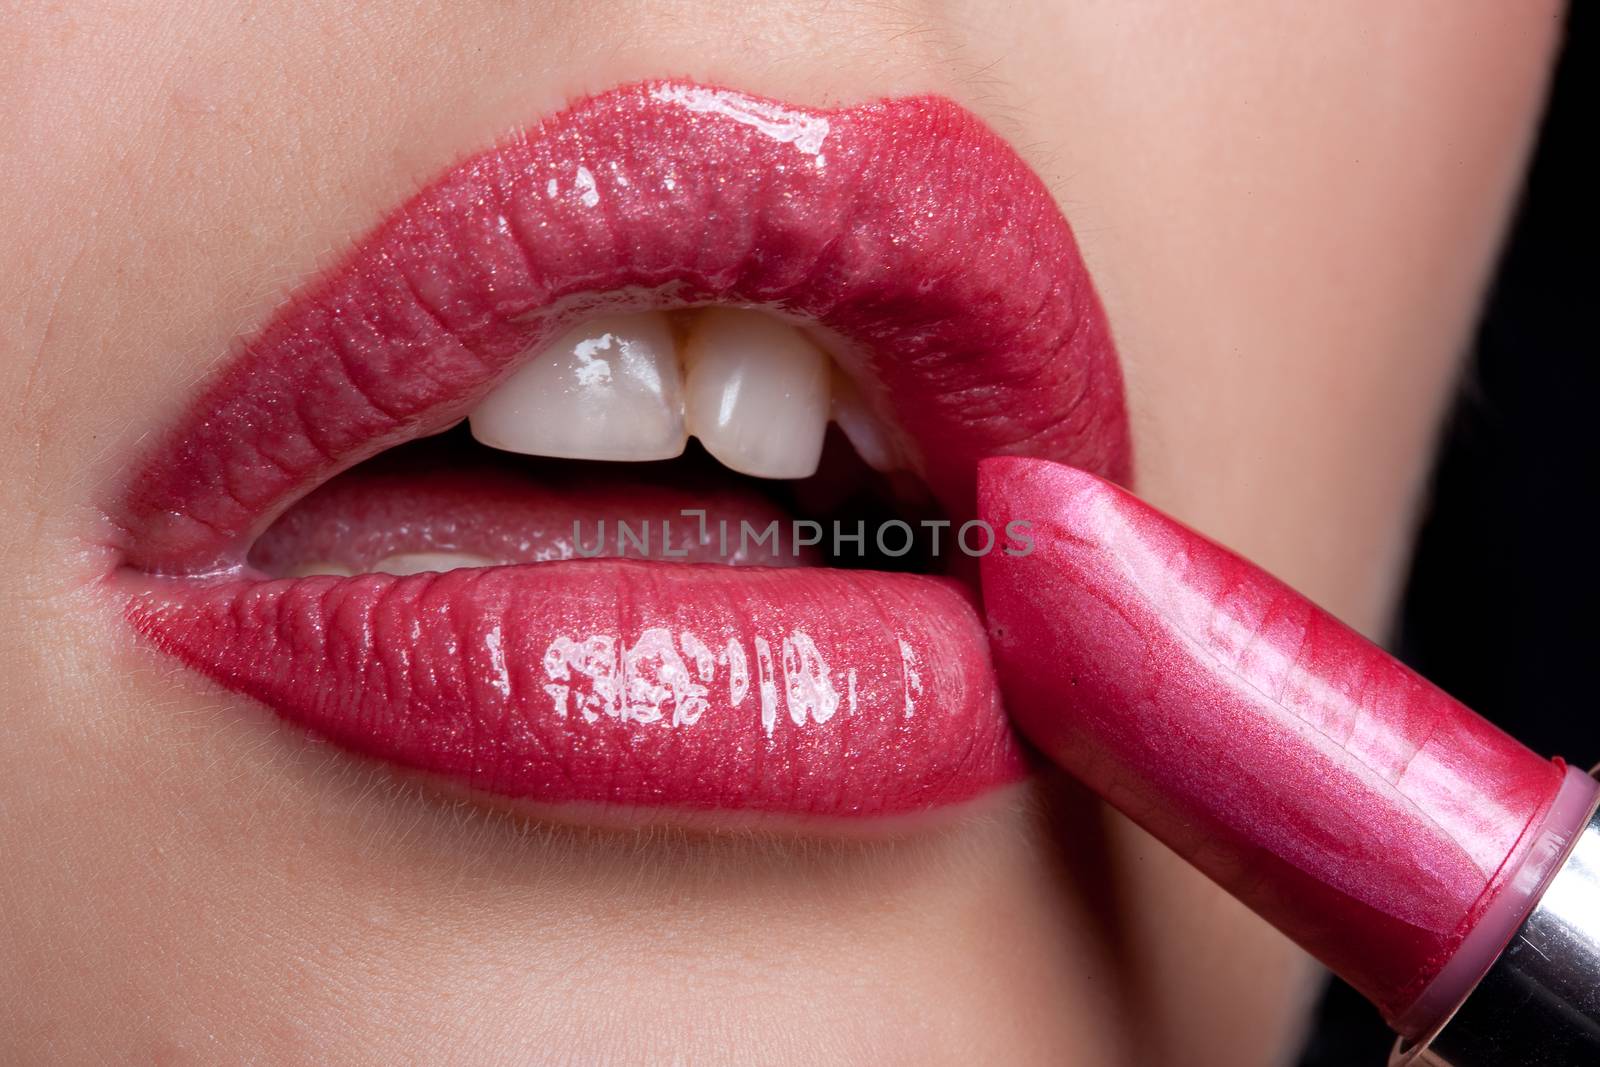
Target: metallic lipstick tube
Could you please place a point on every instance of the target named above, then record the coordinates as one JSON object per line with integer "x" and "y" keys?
{"x": 1538, "y": 1005}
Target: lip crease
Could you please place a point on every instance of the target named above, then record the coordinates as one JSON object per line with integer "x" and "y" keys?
{"x": 905, "y": 231}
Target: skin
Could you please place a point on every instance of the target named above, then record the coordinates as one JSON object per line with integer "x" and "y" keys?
{"x": 1290, "y": 211}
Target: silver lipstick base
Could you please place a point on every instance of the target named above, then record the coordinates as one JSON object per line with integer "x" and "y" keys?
{"x": 1539, "y": 1004}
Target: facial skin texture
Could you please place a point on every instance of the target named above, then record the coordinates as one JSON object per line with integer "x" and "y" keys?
{"x": 1289, "y": 210}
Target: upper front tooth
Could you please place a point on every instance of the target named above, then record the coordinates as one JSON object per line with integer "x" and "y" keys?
{"x": 756, "y": 393}
{"x": 865, "y": 432}
{"x": 609, "y": 389}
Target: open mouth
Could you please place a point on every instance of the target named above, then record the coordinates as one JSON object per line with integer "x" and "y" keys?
{"x": 769, "y": 343}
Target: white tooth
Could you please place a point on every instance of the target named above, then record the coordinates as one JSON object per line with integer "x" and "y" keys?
{"x": 864, "y": 431}
{"x": 306, "y": 570}
{"x": 609, "y": 389}
{"x": 756, "y": 393}
{"x": 421, "y": 562}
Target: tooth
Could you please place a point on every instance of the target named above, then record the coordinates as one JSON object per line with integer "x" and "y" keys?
{"x": 420, "y": 562}
{"x": 756, "y": 393}
{"x": 306, "y": 570}
{"x": 862, "y": 429}
{"x": 609, "y": 389}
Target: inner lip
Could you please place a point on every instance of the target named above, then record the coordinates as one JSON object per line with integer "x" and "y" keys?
{"x": 448, "y": 501}
{"x": 948, "y": 287}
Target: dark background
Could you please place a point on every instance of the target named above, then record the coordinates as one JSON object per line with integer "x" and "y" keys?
{"x": 1500, "y": 605}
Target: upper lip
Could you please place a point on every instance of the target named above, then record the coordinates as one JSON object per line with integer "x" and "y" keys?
{"x": 905, "y": 229}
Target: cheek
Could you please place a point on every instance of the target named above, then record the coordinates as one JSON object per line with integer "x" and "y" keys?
{"x": 1290, "y": 213}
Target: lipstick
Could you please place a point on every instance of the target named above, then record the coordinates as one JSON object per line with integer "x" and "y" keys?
{"x": 1441, "y": 868}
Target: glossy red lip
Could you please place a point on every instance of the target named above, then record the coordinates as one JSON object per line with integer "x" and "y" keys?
{"x": 905, "y": 229}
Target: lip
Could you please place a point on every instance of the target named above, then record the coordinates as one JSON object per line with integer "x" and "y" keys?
{"x": 905, "y": 231}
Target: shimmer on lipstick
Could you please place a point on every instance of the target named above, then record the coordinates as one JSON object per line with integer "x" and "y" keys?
{"x": 1387, "y": 829}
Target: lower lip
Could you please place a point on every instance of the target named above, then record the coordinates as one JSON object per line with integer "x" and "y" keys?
{"x": 801, "y": 691}
{"x": 1387, "y": 829}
